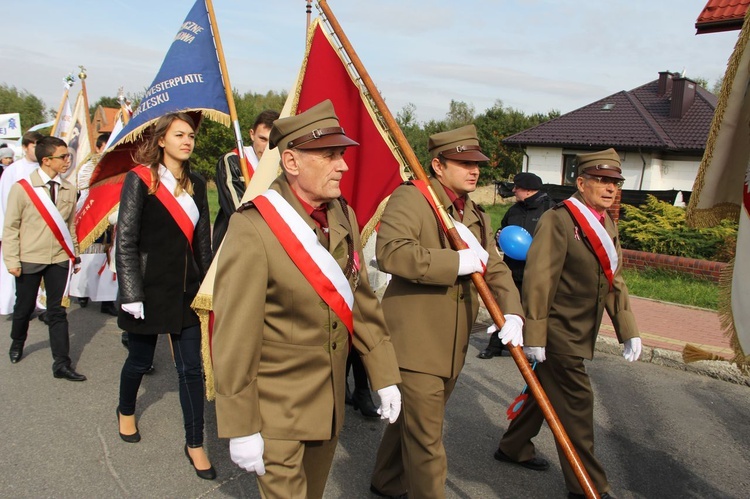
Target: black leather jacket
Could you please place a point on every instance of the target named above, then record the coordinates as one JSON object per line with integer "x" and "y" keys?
{"x": 155, "y": 262}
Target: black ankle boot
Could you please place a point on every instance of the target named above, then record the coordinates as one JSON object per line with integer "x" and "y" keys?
{"x": 362, "y": 401}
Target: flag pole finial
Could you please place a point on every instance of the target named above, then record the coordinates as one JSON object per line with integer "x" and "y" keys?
{"x": 82, "y": 73}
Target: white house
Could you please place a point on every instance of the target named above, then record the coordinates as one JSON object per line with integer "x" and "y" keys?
{"x": 659, "y": 129}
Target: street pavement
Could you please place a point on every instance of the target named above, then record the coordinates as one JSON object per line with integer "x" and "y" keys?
{"x": 663, "y": 429}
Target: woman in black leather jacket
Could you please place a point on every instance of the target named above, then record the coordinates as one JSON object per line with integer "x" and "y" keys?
{"x": 163, "y": 253}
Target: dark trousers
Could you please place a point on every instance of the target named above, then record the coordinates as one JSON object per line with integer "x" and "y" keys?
{"x": 27, "y": 286}
{"x": 354, "y": 361}
{"x": 187, "y": 358}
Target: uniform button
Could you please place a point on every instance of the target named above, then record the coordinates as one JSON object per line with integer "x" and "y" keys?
{"x": 335, "y": 325}
{"x": 333, "y": 346}
{"x": 461, "y": 296}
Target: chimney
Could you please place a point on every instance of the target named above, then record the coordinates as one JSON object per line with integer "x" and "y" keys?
{"x": 683, "y": 96}
{"x": 665, "y": 82}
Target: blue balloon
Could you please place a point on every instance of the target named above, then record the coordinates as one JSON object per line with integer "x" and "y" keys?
{"x": 514, "y": 240}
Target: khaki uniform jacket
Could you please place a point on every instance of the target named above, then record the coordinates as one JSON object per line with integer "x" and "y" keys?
{"x": 279, "y": 351}
{"x": 429, "y": 310}
{"x": 565, "y": 290}
{"x": 26, "y": 236}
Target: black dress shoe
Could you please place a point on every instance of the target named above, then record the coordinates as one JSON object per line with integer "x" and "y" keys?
{"x": 362, "y": 401}
{"x": 131, "y": 439}
{"x": 488, "y": 353}
{"x": 15, "y": 352}
{"x": 83, "y": 302}
{"x": 208, "y": 474}
{"x": 380, "y": 494}
{"x": 535, "y": 463}
{"x": 69, "y": 374}
{"x": 108, "y": 308}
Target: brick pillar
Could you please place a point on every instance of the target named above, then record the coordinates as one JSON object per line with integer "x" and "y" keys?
{"x": 614, "y": 210}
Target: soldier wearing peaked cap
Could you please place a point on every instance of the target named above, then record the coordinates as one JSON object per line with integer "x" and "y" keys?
{"x": 568, "y": 283}
{"x": 430, "y": 305}
{"x": 281, "y": 339}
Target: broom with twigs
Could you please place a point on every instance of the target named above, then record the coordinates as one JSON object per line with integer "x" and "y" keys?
{"x": 692, "y": 353}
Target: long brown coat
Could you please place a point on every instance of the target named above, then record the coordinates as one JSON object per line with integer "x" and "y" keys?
{"x": 428, "y": 309}
{"x": 565, "y": 291}
{"x": 279, "y": 351}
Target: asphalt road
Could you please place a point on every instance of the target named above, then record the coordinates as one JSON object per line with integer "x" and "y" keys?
{"x": 661, "y": 432}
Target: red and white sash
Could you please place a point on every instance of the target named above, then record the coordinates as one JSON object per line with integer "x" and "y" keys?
{"x": 463, "y": 231}
{"x": 315, "y": 262}
{"x": 182, "y": 208}
{"x": 601, "y": 243}
{"x": 51, "y": 216}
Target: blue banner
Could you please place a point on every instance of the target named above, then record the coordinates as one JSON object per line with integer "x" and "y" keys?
{"x": 189, "y": 78}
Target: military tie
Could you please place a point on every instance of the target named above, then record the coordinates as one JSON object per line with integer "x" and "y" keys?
{"x": 460, "y": 204}
{"x": 320, "y": 217}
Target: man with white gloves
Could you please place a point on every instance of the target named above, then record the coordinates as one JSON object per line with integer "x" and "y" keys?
{"x": 291, "y": 296}
{"x": 573, "y": 273}
{"x": 430, "y": 306}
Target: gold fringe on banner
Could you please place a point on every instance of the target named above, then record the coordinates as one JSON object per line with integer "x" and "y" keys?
{"x": 203, "y": 304}
{"x": 727, "y": 318}
{"x": 707, "y": 217}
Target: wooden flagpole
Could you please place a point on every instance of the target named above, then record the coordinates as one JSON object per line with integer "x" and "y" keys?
{"x": 457, "y": 243}
{"x": 68, "y": 84}
{"x": 92, "y": 141}
{"x": 228, "y": 90}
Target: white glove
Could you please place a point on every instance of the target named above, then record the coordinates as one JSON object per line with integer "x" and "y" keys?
{"x": 247, "y": 453}
{"x": 468, "y": 262}
{"x": 632, "y": 349}
{"x": 390, "y": 403}
{"x": 134, "y": 309}
{"x": 512, "y": 331}
{"x": 535, "y": 354}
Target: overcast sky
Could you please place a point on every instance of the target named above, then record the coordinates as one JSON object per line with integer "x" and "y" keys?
{"x": 534, "y": 55}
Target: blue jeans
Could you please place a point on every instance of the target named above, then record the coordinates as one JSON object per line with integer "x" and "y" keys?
{"x": 187, "y": 358}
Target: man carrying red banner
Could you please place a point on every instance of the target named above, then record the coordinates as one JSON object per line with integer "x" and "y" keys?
{"x": 230, "y": 183}
{"x": 39, "y": 243}
{"x": 430, "y": 306}
{"x": 573, "y": 273}
{"x": 291, "y": 295}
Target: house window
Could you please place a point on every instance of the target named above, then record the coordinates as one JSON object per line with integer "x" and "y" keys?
{"x": 569, "y": 170}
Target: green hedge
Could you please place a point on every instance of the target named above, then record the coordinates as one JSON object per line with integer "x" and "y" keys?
{"x": 659, "y": 227}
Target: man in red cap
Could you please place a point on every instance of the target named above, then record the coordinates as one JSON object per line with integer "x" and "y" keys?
{"x": 430, "y": 306}
{"x": 573, "y": 273}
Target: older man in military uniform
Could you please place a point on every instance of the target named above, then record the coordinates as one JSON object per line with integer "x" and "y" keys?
{"x": 430, "y": 306}
{"x": 573, "y": 273}
{"x": 291, "y": 295}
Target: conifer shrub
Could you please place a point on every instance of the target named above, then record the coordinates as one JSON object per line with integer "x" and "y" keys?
{"x": 660, "y": 227}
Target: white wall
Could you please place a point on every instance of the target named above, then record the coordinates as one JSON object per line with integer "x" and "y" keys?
{"x": 660, "y": 174}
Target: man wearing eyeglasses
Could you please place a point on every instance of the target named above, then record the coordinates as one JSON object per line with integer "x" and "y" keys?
{"x": 573, "y": 273}
{"x": 39, "y": 242}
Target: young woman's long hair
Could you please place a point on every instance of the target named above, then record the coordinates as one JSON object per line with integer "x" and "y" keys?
{"x": 150, "y": 154}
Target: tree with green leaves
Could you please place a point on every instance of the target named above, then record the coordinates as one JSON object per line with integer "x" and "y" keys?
{"x": 30, "y": 107}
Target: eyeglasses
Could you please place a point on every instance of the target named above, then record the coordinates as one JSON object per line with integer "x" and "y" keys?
{"x": 63, "y": 157}
{"x": 605, "y": 180}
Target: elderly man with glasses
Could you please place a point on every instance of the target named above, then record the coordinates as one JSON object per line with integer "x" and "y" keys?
{"x": 573, "y": 273}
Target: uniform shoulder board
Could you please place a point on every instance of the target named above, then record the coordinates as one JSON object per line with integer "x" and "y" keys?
{"x": 245, "y": 206}
{"x": 558, "y": 206}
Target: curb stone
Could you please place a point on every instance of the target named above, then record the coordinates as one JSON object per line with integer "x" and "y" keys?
{"x": 716, "y": 369}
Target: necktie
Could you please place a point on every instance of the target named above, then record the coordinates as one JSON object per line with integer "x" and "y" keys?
{"x": 460, "y": 204}
{"x": 319, "y": 215}
{"x": 51, "y": 184}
